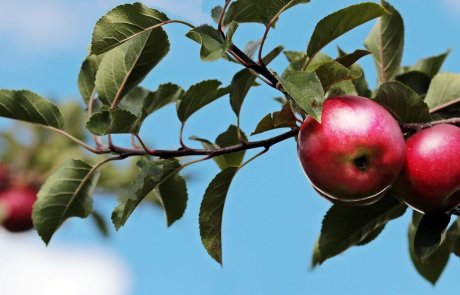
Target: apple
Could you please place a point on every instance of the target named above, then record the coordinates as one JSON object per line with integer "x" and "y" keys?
{"x": 430, "y": 178}
{"x": 17, "y": 203}
{"x": 355, "y": 153}
{"x": 4, "y": 176}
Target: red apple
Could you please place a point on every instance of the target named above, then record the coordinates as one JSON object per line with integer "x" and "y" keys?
{"x": 431, "y": 173}
{"x": 355, "y": 154}
{"x": 17, "y": 204}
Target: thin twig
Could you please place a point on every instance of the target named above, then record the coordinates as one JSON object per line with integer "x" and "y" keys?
{"x": 267, "y": 29}
{"x": 221, "y": 17}
{"x": 420, "y": 126}
{"x": 79, "y": 142}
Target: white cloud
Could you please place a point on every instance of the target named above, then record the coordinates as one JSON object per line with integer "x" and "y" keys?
{"x": 191, "y": 10}
{"x": 453, "y": 5}
{"x": 47, "y": 24}
{"x": 28, "y": 267}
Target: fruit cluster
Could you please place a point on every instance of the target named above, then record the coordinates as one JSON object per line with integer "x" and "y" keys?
{"x": 358, "y": 152}
{"x": 16, "y": 202}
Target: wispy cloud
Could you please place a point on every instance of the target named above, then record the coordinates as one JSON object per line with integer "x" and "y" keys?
{"x": 453, "y": 5}
{"x": 28, "y": 267}
{"x": 47, "y": 24}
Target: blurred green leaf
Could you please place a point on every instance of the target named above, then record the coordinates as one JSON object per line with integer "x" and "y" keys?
{"x": 66, "y": 193}
{"x": 87, "y": 77}
{"x": 24, "y": 105}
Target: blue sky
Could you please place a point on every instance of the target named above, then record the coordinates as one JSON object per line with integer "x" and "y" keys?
{"x": 272, "y": 216}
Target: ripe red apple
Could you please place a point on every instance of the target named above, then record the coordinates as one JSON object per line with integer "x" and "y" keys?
{"x": 430, "y": 178}
{"x": 17, "y": 202}
{"x": 355, "y": 154}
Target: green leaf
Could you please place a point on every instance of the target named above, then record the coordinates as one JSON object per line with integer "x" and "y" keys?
{"x": 158, "y": 175}
{"x": 344, "y": 227}
{"x": 371, "y": 236}
{"x": 340, "y": 22}
{"x": 347, "y": 60}
{"x": 112, "y": 121}
{"x": 227, "y": 138}
{"x": 432, "y": 267}
{"x": 100, "y": 223}
{"x": 360, "y": 84}
{"x": 213, "y": 44}
{"x": 244, "y": 80}
{"x": 211, "y": 212}
{"x": 258, "y": 11}
{"x": 122, "y": 24}
{"x": 124, "y": 67}
{"x": 198, "y": 96}
{"x": 444, "y": 89}
{"x": 430, "y": 233}
{"x": 417, "y": 81}
{"x": 306, "y": 90}
{"x": 216, "y": 12}
{"x": 87, "y": 77}
{"x": 142, "y": 102}
{"x": 405, "y": 104}
{"x": 172, "y": 194}
{"x": 431, "y": 65}
{"x": 333, "y": 72}
{"x": 24, "y": 105}
{"x": 386, "y": 42}
{"x": 281, "y": 119}
{"x": 66, "y": 193}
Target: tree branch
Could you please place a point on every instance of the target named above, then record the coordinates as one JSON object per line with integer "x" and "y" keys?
{"x": 420, "y": 126}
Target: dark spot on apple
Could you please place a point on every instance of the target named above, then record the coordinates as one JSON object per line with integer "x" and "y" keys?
{"x": 362, "y": 163}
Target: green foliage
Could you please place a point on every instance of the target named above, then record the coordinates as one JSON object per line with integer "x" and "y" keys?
{"x": 281, "y": 119}
{"x": 65, "y": 194}
{"x": 386, "y": 42}
{"x": 24, "y": 105}
{"x": 87, "y": 77}
{"x": 405, "y": 104}
{"x": 344, "y": 227}
{"x": 334, "y": 25}
{"x": 244, "y": 80}
{"x": 306, "y": 90}
{"x": 444, "y": 88}
{"x": 211, "y": 212}
{"x": 159, "y": 175}
{"x": 198, "y": 96}
{"x": 333, "y": 72}
{"x": 122, "y": 24}
{"x": 258, "y": 11}
{"x": 112, "y": 121}
{"x": 213, "y": 44}
{"x": 124, "y": 67}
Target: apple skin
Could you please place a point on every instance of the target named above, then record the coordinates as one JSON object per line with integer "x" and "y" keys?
{"x": 430, "y": 178}
{"x": 355, "y": 154}
{"x": 17, "y": 203}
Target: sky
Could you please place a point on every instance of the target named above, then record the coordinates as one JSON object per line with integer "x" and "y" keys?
{"x": 272, "y": 216}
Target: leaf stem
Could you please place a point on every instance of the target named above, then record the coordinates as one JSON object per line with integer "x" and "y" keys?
{"x": 221, "y": 17}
